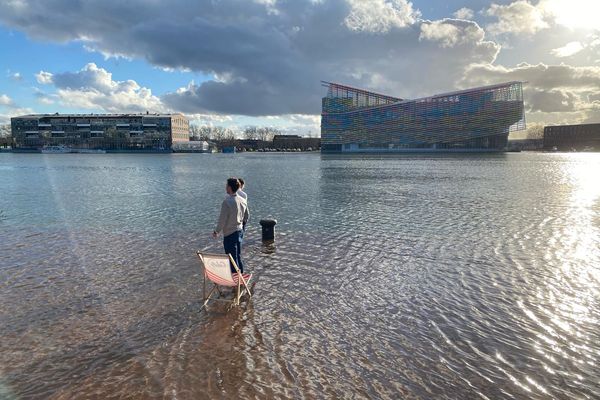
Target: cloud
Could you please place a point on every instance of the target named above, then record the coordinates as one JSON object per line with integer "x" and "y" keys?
{"x": 267, "y": 57}
{"x": 92, "y": 87}
{"x": 14, "y": 112}
{"x": 559, "y": 93}
{"x": 463, "y": 13}
{"x": 43, "y": 77}
{"x": 379, "y": 16}
{"x": 580, "y": 14}
{"x": 11, "y": 109}
{"x": 520, "y": 17}
{"x": 568, "y": 50}
{"x": 5, "y": 101}
{"x": 537, "y": 75}
{"x": 16, "y": 76}
{"x": 44, "y": 98}
{"x": 551, "y": 100}
{"x": 451, "y": 32}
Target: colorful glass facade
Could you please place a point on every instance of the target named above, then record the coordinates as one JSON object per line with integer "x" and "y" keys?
{"x": 479, "y": 119}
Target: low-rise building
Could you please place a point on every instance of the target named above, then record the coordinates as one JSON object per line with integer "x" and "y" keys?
{"x": 572, "y": 137}
{"x": 193, "y": 146}
{"x": 295, "y": 142}
{"x": 111, "y": 132}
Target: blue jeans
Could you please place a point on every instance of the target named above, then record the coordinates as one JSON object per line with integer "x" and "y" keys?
{"x": 233, "y": 245}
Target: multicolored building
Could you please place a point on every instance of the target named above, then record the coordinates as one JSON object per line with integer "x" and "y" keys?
{"x": 479, "y": 119}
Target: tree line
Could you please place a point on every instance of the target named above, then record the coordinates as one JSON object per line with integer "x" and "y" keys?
{"x": 5, "y": 130}
{"x": 225, "y": 135}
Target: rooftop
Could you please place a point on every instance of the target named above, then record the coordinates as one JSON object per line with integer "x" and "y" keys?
{"x": 92, "y": 115}
{"x": 393, "y": 100}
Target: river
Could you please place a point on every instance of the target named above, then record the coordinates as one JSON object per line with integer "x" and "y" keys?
{"x": 394, "y": 276}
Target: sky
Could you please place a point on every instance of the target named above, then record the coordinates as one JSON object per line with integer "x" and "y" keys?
{"x": 237, "y": 63}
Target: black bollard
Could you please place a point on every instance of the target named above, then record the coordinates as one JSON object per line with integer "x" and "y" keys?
{"x": 268, "y": 229}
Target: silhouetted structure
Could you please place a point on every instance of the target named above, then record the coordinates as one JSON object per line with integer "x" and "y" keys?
{"x": 572, "y": 137}
{"x": 525, "y": 144}
{"x": 284, "y": 142}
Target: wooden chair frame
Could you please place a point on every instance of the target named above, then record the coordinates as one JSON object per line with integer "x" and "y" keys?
{"x": 242, "y": 284}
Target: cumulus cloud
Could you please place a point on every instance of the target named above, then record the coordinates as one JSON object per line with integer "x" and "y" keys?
{"x": 560, "y": 93}
{"x": 463, "y": 13}
{"x": 43, "y": 77}
{"x": 380, "y": 16}
{"x": 568, "y": 50}
{"x": 5, "y": 100}
{"x": 537, "y": 75}
{"x": 9, "y": 109}
{"x": 267, "y": 56}
{"x": 551, "y": 100}
{"x": 5, "y": 118}
{"x": 520, "y": 17}
{"x": 45, "y": 100}
{"x": 451, "y": 32}
{"x": 92, "y": 87}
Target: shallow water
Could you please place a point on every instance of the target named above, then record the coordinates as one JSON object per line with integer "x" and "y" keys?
{"x": 410, "y": 276}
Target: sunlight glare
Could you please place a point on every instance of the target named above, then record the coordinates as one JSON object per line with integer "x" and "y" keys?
{"x": 574, "y": 14}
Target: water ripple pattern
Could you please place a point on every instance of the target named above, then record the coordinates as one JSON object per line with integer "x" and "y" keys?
{"x": 413, "y": 276}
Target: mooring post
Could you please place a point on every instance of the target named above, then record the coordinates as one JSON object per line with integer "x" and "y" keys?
{"x": 268, "y": 229}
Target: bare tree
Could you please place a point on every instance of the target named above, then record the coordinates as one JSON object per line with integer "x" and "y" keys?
{"x": 535, "y": 132}
{"x": 196, "y": 132}
{"x": 210, "y": 133}
{"x": 5, "y": 130}
{"x": 228, "y": 138}
{"x": 251, "y": 133}
{"x": 267, "y": 133}
{"x": 218, "y": 133}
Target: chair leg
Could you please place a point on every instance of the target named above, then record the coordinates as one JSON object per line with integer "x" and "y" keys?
{"x": 207, "y": 299}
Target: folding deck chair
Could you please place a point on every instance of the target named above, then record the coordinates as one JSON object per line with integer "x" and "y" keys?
{"x": 218, "y": 271}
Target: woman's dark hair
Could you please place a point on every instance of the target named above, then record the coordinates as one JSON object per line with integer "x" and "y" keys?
{"x": 241, "y": 181}
{"x": 234, "y": 184}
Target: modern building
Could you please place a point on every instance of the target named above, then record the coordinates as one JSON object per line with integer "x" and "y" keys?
{"x": 479, "y": 119}
{"x": 572, "y": 137}
{"x": 110, "y": 132}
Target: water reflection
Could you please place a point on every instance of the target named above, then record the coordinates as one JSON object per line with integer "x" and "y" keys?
{"x": 472, "y": 276}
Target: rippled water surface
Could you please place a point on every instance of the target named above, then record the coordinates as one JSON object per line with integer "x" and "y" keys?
{"x": 413, "y": 276}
